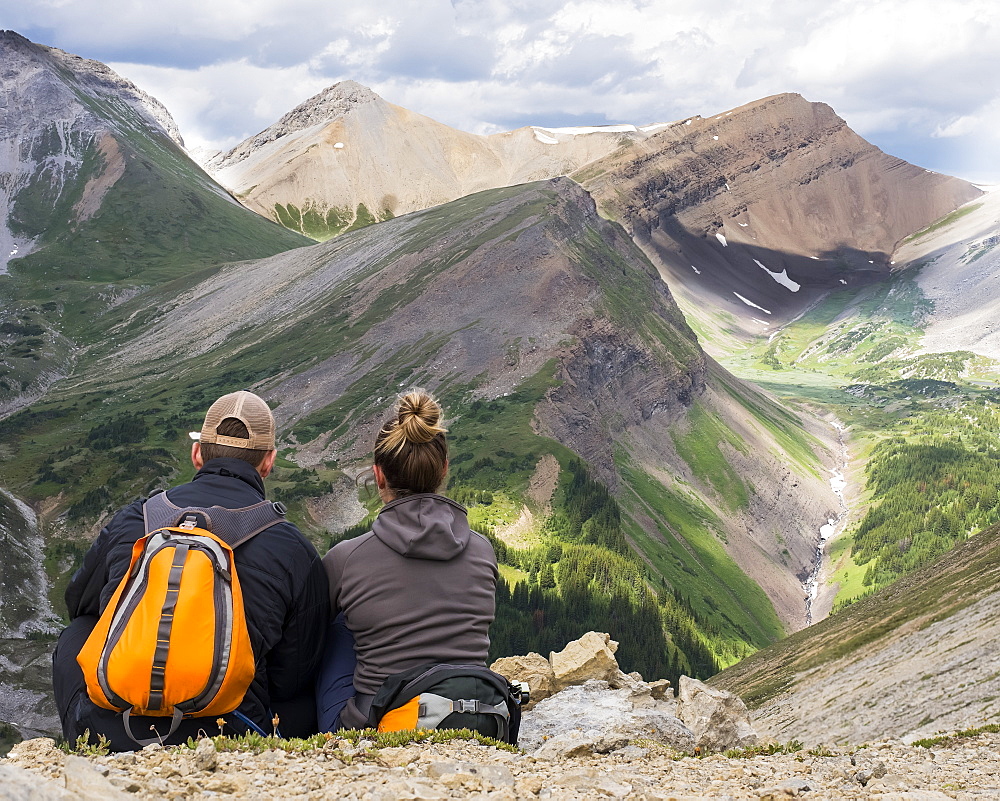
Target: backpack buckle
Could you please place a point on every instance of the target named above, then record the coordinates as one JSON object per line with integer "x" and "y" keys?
{"x": 471, "y": 707}
{"x": 189, "y": 522}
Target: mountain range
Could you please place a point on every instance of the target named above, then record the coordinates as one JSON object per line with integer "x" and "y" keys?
{"x": 589, "y": 305}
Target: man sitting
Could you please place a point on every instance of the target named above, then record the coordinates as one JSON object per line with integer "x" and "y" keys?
{"x": 284, "y": 588}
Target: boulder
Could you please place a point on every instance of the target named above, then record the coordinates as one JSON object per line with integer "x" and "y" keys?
{"x": 590, "y": 657}
{"x": 533, "y": 669}
{"x": 718, "y": 719}
{"x": 20, "y": 784}
{"x": 594, "y": 718}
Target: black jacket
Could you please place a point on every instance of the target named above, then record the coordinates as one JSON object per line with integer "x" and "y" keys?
{"x": 284, "y": 586}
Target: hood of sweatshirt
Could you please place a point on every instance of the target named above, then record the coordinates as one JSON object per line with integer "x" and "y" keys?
{"x": 425, "y": 526}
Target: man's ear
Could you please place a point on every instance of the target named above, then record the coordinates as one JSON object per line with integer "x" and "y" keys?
{"x": 196, "y": 458}
{"x": 267, "y": 465}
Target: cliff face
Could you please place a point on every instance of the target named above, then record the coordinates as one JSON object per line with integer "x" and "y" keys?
{"x": 777, "y": 200}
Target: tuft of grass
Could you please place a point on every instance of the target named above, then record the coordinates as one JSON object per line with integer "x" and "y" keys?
{"x": 955, "y": 737}
{"x": 767, "y": 749}
{"x": 944, "y": 222}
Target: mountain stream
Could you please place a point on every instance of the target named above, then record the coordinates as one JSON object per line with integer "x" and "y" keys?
{"x": 838, "y": 484}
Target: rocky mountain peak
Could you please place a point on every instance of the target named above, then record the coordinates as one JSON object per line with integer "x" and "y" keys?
{"x": 28, "y": 66}
{"x": 333, "y": 102}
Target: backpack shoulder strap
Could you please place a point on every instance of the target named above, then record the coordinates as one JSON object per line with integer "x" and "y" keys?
{"x": 232, "y": 526}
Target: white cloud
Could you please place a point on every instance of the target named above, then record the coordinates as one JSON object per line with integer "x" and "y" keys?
{"x": 914, "y": 74}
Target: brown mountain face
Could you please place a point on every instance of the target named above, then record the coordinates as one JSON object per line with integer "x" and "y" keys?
{"x": 346, "y": 158}
{"x": 777, "y": 189}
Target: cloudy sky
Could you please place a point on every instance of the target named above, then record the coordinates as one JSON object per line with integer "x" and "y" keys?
{"x": 919, "y": 78}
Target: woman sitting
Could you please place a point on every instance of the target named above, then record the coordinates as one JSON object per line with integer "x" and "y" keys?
{"x": 419, "y": 588}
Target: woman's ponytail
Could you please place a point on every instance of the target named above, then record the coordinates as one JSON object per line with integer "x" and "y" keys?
{"x": 411, "y": 449}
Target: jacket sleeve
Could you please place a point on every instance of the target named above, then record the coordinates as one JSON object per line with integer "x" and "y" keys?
{"x": 104, "y": 565}
{"x": 294, "y": 661}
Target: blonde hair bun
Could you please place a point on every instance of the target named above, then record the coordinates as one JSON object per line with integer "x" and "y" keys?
{"x": 418, "y": 420}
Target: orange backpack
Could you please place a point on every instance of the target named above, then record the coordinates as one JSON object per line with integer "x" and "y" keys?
{"x": 173, "y": 640}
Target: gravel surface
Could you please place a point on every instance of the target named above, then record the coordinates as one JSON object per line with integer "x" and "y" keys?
{"x": 964, "y": 768}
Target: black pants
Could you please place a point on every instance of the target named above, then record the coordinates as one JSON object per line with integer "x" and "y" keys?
{"x": 80, "y": 715}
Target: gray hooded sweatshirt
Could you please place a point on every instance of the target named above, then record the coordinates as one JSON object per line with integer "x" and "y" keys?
{"x": 419, "y": 588}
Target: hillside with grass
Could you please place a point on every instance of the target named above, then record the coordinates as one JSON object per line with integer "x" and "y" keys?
{"x": 913, "y": 659}
{"x": 587, "y": 426}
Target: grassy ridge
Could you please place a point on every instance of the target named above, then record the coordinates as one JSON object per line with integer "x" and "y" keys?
{"x": 968, "y": 573}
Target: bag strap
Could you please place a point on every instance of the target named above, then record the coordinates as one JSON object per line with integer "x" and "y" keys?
{"x": 232, "y": 526}
{"x": 435, "y": 708}
{"x": 175, "y": 721}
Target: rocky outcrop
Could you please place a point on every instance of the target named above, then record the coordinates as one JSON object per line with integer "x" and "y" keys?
{"x": 590, "y": 657}
{"x": 597, "y": 708}
{"x": 717, "y": 719}
{"x": 595, "y": 719}
{"x": 534, "y": 669}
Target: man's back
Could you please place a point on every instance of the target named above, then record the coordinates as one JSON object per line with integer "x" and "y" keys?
{"x": 285, "y": 596}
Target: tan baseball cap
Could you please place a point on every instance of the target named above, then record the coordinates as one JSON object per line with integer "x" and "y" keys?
{"x": 252, "y": 410}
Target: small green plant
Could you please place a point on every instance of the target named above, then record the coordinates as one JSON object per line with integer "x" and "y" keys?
{"x": 767, "y": 749}
{"x": 84, "y": 747}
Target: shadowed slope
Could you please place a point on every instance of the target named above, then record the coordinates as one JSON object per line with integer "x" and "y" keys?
{"x": 779, "y": 180}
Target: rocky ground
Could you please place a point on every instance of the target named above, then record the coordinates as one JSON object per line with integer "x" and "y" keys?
{"x": 595, "y": 733}
{"x": 962, "y": 769}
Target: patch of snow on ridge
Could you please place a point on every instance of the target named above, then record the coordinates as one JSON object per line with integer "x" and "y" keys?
{"x": 589, "y": 129}
{"x": 744, "y": 225}
{"x": 339, "y": 145}
{"x": 751, "y": 303}
{"x": 722, "y": 239}
{"x": 697, "y": 271}
{"x": 782, "y": 277}
{"x": 656, "y": 126}
{"x": 545, "y": 140}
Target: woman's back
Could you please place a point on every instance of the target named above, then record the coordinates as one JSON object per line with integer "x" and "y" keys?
{"x": 419, "y": 588}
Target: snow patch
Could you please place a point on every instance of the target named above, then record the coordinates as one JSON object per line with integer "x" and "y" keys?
{"x": 816, "y": 258}
{"x": 744, "y": 225}
{"x": 589, "y": 129}
{"x": 843, "y": 282}
{"x": 727, "y": 187}
{"x": 716, "y": 138}
{"x": 544, "y": 139}
{"x": 697, "y": 271}
{"x": 687, "y": 122}
{"x": 762, "y": 322}
{"x": 656, "y": 126}
{"x": 751, "y": 303}
{"x": 722, "y": 239}
{"x": 339, "y": 145}
{"x": 782, "y": 277}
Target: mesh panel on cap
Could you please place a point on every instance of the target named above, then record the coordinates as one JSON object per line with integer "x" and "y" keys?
{"x": 248, "y": 408}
